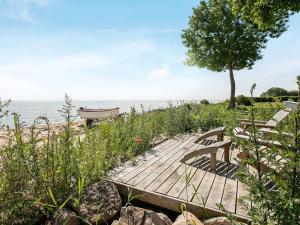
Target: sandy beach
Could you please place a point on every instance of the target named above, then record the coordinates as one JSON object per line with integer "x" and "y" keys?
{"x": 42, "y": 131}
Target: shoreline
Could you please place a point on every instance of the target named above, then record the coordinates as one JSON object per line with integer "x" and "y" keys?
{"x": 42, "y": 130}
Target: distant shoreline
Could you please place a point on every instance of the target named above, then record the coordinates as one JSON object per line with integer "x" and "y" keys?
{"x": 77, "y": 126}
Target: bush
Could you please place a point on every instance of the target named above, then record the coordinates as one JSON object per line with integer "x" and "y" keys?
{"x": 293, "y": 93}
{"x": 294, "y": 98}
{"x": 243, "y": 100}
{"x": 283, "y": 98}
{"x": 274, "y": 92}
{"x": 264, "y": 99}
{"x": 204, "y": 102}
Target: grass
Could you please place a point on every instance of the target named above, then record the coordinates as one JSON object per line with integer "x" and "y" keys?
{"x": 29, "y": 168}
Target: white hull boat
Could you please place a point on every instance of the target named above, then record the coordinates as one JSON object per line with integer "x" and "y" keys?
{"x": 98, "y": 114}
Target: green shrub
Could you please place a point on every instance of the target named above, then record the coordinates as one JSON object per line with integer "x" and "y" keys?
{"x": 283, "y": 98}
{"x": 293, "y": 93}
{"x": 204, "y": 102}
{"x": 243, "y": 100}
{"x": 294, "y": 98}
{"x": 264, "y": 99}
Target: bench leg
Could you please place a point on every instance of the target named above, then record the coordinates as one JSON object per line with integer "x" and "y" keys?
{"x": 213, "y": 161}
{"x": 220, "y": 136}
{"x": 226, "y": 153}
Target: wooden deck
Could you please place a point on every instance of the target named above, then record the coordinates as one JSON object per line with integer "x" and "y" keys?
{"x": 159, "y": 178}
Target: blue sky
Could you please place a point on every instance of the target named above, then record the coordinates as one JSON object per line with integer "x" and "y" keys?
{"x": 120, "y": 50}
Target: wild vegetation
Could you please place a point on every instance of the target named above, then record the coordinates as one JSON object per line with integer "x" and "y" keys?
{"x": 31, "y": 169}
{"x": 273, "y": 178}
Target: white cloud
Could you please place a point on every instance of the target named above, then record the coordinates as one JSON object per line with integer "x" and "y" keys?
{"x": 83, "y": 73}
{"x": 21, "y": 9}
{"x": 161, "y": 72}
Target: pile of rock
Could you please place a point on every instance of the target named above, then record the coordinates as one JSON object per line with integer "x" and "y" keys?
{"x": 138, "y": 216}
{"x": 101, "y": 203}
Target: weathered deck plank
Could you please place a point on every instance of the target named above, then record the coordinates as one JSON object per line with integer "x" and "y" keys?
{"x": 185, "y": 179}
{"x": 189, "y": 190}
{"x": 134, "y": 170}
{"x": 230, "y": 188}
{"x": 171, "y": 174}
{"x": 206, "y": 184}
{"x": 158, "y": 176}
{"x": 141, "y": 159}
{"x": 217, "y": 188}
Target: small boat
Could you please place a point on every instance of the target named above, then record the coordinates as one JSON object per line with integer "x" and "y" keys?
{"x": 98, "y": 114}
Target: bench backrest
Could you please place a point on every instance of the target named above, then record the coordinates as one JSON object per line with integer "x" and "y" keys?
{"x": 278, "y": 117}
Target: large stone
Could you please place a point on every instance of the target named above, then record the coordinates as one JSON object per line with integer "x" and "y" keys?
{"x": 115, "y": 222}
{"x": 100, "y": 202}
{"x": 187, "y": 218}
{"x": 217, "y": 221}
{"x": 65, "y": 217}
{"x": 137, "y": 216}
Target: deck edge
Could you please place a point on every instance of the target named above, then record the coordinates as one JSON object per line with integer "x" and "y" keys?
{"x": 172, "y": 203}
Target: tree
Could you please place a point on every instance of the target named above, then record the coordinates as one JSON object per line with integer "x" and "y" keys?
{"x": 293, "y": 93}
{"x": 268, "y": 15}
{"x": 219, "y": 40}
{"x": 274, "y": 92}
{"x": 298, "y": 83}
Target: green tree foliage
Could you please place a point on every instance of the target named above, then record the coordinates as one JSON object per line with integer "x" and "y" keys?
{"x": 219, "y": 40}
{"x": 268, "y": 15}
{"x": 274, "y": 92}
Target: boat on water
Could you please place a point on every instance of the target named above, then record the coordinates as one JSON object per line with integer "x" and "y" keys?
{"x": 98, "y": 114}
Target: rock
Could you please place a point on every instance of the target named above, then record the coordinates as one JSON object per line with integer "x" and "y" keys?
{"x": 217, "y": 221}
{"x": 137, "y": 216}
{"x": 100, "y": 202}
{"x": 65, "y": 217}
{"x": 165, "y": 218}
{"x": 48, "y": 222}
{"x": 187, "y": 218}
{"x": 115, "y": 222}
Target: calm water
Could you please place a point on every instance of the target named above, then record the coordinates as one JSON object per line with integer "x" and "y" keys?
{"x": 29, "y": 110}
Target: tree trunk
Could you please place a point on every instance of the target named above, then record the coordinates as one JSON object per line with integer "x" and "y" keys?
{"x": 232, "y": 90}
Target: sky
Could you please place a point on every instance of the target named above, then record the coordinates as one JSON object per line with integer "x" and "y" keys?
{"x": 121, "y": 50}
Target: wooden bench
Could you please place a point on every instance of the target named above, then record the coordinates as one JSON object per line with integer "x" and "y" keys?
{"x": 212, "y": 149}
{"x": 219, "y": 132}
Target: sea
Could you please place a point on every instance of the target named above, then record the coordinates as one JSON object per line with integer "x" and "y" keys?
{"x": 30, "y": 110}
